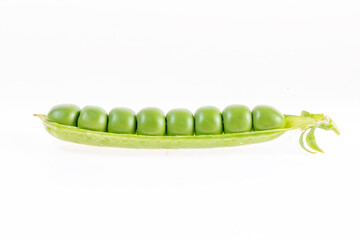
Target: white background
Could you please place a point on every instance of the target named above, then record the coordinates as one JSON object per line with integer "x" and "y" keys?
{"x": 294, "y": 55}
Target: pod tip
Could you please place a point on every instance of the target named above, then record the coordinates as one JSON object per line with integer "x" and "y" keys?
{"x": 42, "y": 117}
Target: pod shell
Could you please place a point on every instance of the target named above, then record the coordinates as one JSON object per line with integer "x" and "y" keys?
{"x": 105, "y": 139}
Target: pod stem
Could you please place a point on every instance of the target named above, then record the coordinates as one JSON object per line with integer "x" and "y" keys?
{"x": 323, "y": 122}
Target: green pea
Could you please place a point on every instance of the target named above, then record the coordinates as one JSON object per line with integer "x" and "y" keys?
{"x": 151, "y": 121}
{"x": 208, "y": 121}
{"x": 179, "y": 122}
{"x": 93, "y": 118}
{"x": 237, "y": 119}
{"x": 267, "y": 118}
{"x": 122, "y": 120}
{"x": 66, "y": 114}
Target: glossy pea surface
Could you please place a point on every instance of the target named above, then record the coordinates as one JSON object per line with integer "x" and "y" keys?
{"x": 66, "y": 114}
{"x": 208, "y": 121}
{"x": 267, "y": 118}
{"x": 179, "y": 122}
{"x": 93, "y": 118}
{"x": 151, "y": 121}
{"x": 122, "y": 121}
{"x": 237, "y": 119}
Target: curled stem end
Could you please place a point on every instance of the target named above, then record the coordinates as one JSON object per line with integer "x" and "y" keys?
{"x": 323, "y": 122}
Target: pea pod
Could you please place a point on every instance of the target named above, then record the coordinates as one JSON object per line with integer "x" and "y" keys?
{"x": 306, "y": 121}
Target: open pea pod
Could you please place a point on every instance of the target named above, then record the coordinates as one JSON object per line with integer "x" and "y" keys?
{"x": 306, "y": 121}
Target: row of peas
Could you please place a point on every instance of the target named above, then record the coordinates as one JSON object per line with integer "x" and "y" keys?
{"x": 177, "y": 122}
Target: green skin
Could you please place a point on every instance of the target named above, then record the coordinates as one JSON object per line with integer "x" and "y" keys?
{"x": 66, "y": 114}
{"x": 179, "y": 122}
{"x": 93, "y": 118}
{"x": 208, "y": 121}
{"x": 122, "y": 121}
{"x": 69, "y": 132}
{"x": 267, "y": 118}
{"x": 237, "y": 119}
{"x": 151, "y": 122}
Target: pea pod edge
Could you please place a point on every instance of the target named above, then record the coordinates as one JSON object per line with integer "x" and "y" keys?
{"x": 306, "y": 121}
